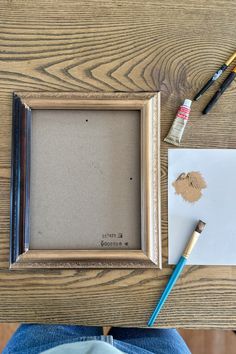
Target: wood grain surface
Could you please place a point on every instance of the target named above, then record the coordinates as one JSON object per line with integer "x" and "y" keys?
{"x": 172, "y": 46}
{"x": 209, "y": 341}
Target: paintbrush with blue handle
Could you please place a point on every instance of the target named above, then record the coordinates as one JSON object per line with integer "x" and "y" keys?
{"x": 177, "y": 271}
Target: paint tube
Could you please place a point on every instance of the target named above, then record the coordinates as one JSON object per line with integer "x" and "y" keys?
{"x": 177, "y": 129}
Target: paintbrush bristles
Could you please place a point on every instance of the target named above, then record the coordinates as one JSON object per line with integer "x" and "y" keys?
{"x": 200, "y": 226}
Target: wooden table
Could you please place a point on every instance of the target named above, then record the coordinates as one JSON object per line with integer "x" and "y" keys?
{"x": 172, "y": 46}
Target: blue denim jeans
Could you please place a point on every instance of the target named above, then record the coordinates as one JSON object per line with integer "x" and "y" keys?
{"x": 35, "y": 338}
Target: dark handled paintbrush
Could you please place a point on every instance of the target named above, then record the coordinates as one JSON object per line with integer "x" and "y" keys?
{"x": 221, "y": 90}
{"x": 177, "y": 271}
{"x": 215, "y": 77}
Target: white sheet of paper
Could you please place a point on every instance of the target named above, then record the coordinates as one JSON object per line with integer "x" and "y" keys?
{"x": 217, "y": 206}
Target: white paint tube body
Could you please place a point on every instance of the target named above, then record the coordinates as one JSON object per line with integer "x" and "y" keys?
{"x": 177, "y": 129}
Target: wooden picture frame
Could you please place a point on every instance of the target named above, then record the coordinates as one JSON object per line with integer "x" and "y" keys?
{"x": 21, "y": 255}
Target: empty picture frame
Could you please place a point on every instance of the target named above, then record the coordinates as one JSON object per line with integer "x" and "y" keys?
{"x": 85, "y": 184}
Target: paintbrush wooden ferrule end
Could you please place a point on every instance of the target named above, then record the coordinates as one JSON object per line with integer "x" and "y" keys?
{"x": 193, "y": 240}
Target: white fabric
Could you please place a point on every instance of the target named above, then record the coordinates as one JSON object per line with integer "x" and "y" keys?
{"x": 88, "y": 347}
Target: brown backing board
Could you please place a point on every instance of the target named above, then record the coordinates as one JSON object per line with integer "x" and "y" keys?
{"x": 85, "y": 180}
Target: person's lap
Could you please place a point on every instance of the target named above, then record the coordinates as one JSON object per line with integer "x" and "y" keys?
{"x": 35, "y": 338}
{"x": 29, "y": 337}
{"x": 155, "y": 340}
